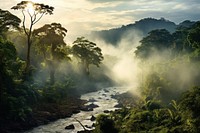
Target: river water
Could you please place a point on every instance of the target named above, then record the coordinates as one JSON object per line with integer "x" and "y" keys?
{"x": 102, "y": 98}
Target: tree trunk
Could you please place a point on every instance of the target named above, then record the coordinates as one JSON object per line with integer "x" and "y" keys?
{"x": 27, "y": 68}
{"x": 86, "y": 67}
{"x": 52, "y": 76}
{"x": 51, "y": 71}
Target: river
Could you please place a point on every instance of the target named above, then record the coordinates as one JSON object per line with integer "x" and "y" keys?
{"x": 102, "y": 98}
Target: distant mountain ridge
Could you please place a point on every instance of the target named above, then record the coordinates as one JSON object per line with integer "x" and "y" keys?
{"x": 144, "y": 26}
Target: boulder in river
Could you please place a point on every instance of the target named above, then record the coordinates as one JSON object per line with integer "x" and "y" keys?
{"x": 76, "y": 111}
{"x": 92, "y": 105}
{"x": 119, "y": 105}
{"x": 89, "y": 127}
{"x": 86, "y": 109}
{"x": 93, "y": 125}
{"x": 92, "y": 100}
{"x": 93, "y": 118}
{"x": 85, "y": 131}
{"x": 104, "y": 95}
{"x": 71, "y": 126}
{"x": 106, "y": 111}
{"x": 105, "y": 90}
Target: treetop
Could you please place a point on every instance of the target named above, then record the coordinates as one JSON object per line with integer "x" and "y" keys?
{"x": 38, "y": 7}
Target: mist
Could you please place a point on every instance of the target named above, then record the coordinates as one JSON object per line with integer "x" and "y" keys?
{"x": 120, "y": 67}
{"x": 175, "y": 74}
{"x": 119, "y": 59}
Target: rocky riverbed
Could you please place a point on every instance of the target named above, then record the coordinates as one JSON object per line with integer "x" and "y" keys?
{"x": 97, "y": 103}
{"x": 45, "y": 113}
{"x": 72, "y": 114}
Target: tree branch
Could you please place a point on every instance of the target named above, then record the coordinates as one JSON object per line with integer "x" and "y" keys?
{"x": 34, "y": 16}
{"x": 29, "y": 13}
{"x": 38, "y": 18}
{"x": 80, "y": 124}
{"x": 24, "y": 27}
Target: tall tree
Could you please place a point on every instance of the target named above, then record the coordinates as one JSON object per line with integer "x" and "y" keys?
{"x": 35, "y": 11}
{"x": 88, "y": 52}
{"x": 7, "y": 61}
{"x": 7, "y": 21}
{"x": 194, "y": 36}
{"x": 180, "y": 40}
{"x": 157, "y": 40}
{"x": 51, "y": 36}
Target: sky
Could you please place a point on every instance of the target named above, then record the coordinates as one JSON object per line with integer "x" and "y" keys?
{"x": 81, "y": 17}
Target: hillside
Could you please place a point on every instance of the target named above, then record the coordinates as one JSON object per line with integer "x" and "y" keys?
{"x": 143, "y": 26}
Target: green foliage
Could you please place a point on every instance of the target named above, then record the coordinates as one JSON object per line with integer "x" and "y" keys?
{"x": 190, "y": 105}
{"x": 88, "y": 52}
{"x": 163, "y": 119}
{"x": 157, "y": 40}
{"x": 162, "y": 82}
{"x": 50, "y": 41}
{"x": 193, "y": 36}
{"x": 105, "y": 124}
{"x": 143, "y": 27}
{"x": 38, "y": 11}
{"x": 57, "y": 92}
{"x": 15, "y": 96}
{"x": 180, "y": 41}
{"x": 10, "y": 65}
{"x": 38, "y": 8}
{"x": 15, "y": 107}
{"x": 7, "y": 21}
{"x": 51, "y": 45}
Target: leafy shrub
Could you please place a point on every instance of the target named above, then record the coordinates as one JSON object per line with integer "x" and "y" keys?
{"x": 105, "y": 125}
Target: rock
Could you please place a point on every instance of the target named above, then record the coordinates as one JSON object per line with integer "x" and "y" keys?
{"x": 104, "y": 95}
{"x": 71, "y": 126}
{"x": 88, "y": 126}
{"x": 86, "y": 109}
{"x": 93, "y": 118}
{"x": 93, "y": 125}
{"x": 85, "y": 131}
{"x": 92, "y": 100}
{"x": 106, "y": 111}
{"x": 89, "y": 107}
{"x": 105, "y": 90}
{"x": 118, "y": 105}
{"x": 68, "y": 115}
{"x": 76, "y": 111}
{"x": 92, "y": 105}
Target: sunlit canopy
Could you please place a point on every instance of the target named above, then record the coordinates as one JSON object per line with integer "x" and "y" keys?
{"x": 30, "y": 8}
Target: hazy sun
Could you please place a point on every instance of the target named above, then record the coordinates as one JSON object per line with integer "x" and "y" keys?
{"x": 30, "y": 8}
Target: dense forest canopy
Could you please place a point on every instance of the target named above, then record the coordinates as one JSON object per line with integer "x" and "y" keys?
{"x": 42, "y": 76}
{"x": 142, "y": 27}
{"x": 169, "y": 85}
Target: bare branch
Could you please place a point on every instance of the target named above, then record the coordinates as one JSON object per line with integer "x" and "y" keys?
{"x": 29, "y": 13}
{"x": 80, "y": 124}
{"x": 38, "y": 19}
{"x": 34, "y": 16}
{"x": 24, "y": 27}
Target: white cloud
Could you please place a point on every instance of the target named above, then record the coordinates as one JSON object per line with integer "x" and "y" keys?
{"x": 82, "y": 16}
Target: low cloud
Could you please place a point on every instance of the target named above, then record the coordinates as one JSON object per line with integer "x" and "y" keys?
{"x": 91, "y": 15}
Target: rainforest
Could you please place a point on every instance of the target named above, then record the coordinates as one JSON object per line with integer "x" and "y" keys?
{"x": 134, "y": 78}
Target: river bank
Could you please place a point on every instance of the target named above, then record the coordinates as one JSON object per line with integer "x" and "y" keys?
{"x": 43, "y": 114}
{"x": 55, "y": 117}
